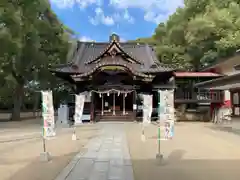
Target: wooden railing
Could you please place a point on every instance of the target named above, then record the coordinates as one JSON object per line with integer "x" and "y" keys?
{"x": 199, "y": 96}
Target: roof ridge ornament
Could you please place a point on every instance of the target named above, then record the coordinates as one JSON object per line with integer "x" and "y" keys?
{"x": 114, "y": 37}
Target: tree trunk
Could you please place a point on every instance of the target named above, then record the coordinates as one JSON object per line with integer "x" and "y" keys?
{"x": 36, "y": 104}
{"x": 16, "y": 111}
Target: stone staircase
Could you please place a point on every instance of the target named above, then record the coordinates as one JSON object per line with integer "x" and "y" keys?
{"x": 108, "y": 116}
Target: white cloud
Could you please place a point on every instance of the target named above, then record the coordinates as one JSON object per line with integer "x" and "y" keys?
{"x": 155, "y": 10}
{"x": 101, "y": 18}
{"x": 108, "y": 20}
{"x": 85, "y": 39}
{"x": 128, "y": 17}
{"x": 81, "y": 3}
{"x": 122, "y": 40}
{"x": 123, "y": 16}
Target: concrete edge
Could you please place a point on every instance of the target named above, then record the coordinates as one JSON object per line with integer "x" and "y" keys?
{"x": 67, "y": 170}
{"x": 70, "y": 166}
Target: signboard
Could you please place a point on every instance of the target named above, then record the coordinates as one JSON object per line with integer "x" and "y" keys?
{"x": 79, "y": 105}
{"x": 48, "y": 114}
{"x": 63, "y": 114}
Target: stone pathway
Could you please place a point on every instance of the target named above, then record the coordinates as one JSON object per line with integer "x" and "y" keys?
{"x": 107, "y": 157}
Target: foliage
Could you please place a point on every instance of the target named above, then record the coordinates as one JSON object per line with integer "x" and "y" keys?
{"x": 32, "y": 40}
{"x": 197, "y": 34}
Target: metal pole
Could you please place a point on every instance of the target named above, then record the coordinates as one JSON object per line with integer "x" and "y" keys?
{"x": 102, "y": 104}
{"x": 159, "y": 136}
{"x": 114, "y": 113}
{"x": 159, "y": 155}
{"x": 143, "y": 133}
{"x": 44, "y": 145}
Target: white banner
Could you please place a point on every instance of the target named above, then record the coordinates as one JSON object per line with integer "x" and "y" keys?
{"x": 48, "y": 114}
{"x": 79, "y": 105}
{"x": 166, "y": 112}
{"x": 147, "y": 108}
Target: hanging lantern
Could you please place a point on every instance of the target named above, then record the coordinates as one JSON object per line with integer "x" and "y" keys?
{"x": 100, "y": 95}
{"x": 118, "y": 93}
{"x": 125, "y": 94}
{"x": 108, "y": 93}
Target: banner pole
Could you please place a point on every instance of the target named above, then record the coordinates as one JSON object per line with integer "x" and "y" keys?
{"x": 159, "y": 155}
{"x": 44, "y": 145}
{"x": 143, "y": 134}
{"x": 159, "y": 136}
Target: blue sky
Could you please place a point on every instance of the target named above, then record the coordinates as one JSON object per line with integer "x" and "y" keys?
{"x": 95, "y": 20}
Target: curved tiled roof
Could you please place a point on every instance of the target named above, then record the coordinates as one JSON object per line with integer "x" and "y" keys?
{"x": 128, "y": 54}
{"x": 141, "y": 52}
{"x": 117, "y": 61}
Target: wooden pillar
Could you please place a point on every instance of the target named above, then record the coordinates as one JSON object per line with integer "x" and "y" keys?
{"x": 92, "y": 107}
{"x": 134, "y": 104}
{"x": 124, "y": 95}
{"x": 114, "y": 112}
{"x": 102, "y": 103}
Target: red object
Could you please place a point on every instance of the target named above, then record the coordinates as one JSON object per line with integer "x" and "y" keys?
{"x": 227, "y": 103}
{"x": 196, "y": 74}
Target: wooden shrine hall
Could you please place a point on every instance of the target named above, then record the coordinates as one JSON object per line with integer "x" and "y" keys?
{"x": 115, "y": 73}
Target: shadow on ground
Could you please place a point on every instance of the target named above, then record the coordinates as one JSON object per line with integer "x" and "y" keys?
{"x": 174, "y": 167}
{"x": 228, "y": 129}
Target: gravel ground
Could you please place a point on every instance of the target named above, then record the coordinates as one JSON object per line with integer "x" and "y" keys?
{"x": 197, "y": 152}
{"x": 19, "y": 159}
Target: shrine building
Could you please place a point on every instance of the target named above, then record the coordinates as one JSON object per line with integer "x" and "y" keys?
{"x": 115, "y": 74}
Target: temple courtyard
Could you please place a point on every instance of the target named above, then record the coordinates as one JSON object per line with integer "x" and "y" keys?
{"x": 198, "y": 151}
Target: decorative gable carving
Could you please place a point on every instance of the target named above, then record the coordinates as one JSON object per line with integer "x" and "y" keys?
{"x": 113, "y": 50}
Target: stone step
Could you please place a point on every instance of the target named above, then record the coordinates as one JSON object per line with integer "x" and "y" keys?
{"x": 115, "y": 118}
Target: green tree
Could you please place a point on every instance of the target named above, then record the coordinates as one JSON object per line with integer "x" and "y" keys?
{"x": 197, "y": 34}
{"x": 32, "y": 39}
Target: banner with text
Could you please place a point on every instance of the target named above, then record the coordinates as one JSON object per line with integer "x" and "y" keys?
{"x": 166, "y": 112}
{"x": 147, "y": 108}
{"x": 79, "y": 105}
{"x": 48, "y": 114}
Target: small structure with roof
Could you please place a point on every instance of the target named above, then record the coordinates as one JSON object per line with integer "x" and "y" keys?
{"x": 229, "y": 83}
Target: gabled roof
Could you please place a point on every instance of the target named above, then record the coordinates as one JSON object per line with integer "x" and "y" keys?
{"x": 118, "y": 48}
{"x": 86, "y": 56}
{"x": 111, "y": 62}
{"x": 144, "y": 53}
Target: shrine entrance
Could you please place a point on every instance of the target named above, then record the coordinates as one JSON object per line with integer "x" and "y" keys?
{"x": 114, "y": 93}
{"x": 114, "y": 103}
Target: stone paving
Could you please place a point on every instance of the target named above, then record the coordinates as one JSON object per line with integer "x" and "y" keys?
{"x": 107, "y": 158}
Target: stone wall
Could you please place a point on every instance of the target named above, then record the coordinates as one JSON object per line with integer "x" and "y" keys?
{"x": 24, "y": 115}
